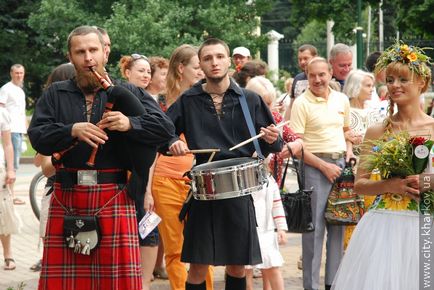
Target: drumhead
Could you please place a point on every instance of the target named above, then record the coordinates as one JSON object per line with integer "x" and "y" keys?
{"x": 225, "y": 164}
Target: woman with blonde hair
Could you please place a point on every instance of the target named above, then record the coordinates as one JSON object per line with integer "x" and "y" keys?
{"x": 384, "y": 252}
{"x": 170, "y": 186}
{"x": 184, "y": 71}
{"x": 136, "y": 69}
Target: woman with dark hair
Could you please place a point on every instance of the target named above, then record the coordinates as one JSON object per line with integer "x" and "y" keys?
{"x": 249, "y": 70}
{"x": 62, "y": 72}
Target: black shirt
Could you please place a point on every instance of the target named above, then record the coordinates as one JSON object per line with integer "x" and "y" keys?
{"x": 194, "y": 115}
{"x": 299, "y": 85}
{"x": 63, "y": 104}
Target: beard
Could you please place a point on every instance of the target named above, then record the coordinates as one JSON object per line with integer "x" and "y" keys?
{"x": 87, "y": 82}
{"x": 216, "y": 79}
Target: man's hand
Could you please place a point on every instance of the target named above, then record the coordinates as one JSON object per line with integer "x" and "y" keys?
{"x": 115, "y": 121}
{"x": 330, "y": 170}
{"x": 89, "y": 133}
{"x": 179, "y": 148}
{"x": 296, "y": 147}
{"x": 270, "y": 134}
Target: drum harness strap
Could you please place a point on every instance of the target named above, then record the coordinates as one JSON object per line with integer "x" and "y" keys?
{"x": 246, "y": 112}
{"x": 248, "y": 118}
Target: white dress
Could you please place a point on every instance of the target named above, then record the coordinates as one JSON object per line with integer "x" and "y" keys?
{"x": 270, "y": 215}
{"x": 383, "y": 253}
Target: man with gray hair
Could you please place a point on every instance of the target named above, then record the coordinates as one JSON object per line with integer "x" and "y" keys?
{"x": 341, "y": 60}
{"x": 321, "y": 116}
{"x": 12, "y": 96}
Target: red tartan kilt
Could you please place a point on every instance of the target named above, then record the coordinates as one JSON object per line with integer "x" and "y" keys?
{"x": 114, "y": 264}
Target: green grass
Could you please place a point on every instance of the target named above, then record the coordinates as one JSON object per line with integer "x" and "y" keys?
{"x": 30, "y": 152}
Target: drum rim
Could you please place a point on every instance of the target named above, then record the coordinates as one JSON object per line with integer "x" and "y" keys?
{"x": 202, "y": 167}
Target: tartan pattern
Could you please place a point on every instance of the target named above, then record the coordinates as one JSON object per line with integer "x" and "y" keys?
{"x": 114, "y": 264}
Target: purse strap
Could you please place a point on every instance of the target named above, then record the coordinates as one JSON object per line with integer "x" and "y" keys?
{"x": 248, "y": 118}
{"x": 282, "y": 182}
{"x": 299, "y": 169}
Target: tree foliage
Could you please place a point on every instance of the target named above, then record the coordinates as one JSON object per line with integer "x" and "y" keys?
{"x": 150, "y": 27}
{"x": 34, "y": 32}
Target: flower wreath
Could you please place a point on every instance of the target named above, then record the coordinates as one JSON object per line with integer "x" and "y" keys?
{"x": 413, "y": 56}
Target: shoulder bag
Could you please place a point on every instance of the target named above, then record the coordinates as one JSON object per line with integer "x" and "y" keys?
{"x": 297, "y": 205}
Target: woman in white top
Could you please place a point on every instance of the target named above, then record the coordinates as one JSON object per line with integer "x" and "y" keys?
{"x": 8, "y": 222}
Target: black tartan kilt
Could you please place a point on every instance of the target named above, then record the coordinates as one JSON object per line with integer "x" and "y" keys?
{"x": 221, "y": 232}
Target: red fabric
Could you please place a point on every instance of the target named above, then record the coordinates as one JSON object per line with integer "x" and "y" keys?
{"x": 114, "y": 264}
{"x": 288, "y": 136}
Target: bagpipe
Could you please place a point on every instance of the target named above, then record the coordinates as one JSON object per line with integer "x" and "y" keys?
{"x": 120, "y": 99}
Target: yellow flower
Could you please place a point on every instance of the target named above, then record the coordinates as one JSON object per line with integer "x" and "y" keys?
{"x": 404, "y": 47}
{"x": 412, "y": 57}
{"x": 395, "y": 201}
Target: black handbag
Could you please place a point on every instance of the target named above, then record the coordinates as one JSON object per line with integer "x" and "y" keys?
{"x": 297, "y": 205}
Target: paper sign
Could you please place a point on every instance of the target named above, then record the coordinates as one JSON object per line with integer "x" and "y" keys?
{"x": 148, "y": 223}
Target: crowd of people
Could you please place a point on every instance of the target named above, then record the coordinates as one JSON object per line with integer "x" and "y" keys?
{"x": 207, "y": 98}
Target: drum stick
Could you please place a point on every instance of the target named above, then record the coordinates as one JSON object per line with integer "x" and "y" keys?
{"x": 197, "y": 151}
{"x": 256, "y": 137}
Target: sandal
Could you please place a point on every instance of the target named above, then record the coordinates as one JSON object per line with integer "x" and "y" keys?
{"x": 9, "y": 264}
{"x": 37, "y": 266}
{"x": 18, "y": 201}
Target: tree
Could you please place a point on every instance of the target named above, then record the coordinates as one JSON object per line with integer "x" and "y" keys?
{"x": 150, "y": 27}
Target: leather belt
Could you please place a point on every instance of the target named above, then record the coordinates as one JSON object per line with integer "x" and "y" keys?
{"x": 333, "y": 155}
{"x": 90, "y": 177}
{"x": 225, "y": 195}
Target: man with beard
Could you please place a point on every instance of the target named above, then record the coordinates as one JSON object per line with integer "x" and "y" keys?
{"x": 71, "y": 112}
{"x": 220, "y": 231}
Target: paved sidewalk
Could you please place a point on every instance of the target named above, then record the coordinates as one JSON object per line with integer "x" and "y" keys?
{"x": 26, "y": 251}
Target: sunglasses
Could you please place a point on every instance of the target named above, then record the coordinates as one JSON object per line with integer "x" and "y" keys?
{"x": 136, "y": 56}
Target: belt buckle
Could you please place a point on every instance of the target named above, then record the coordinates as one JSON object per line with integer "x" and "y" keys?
{"x": 336, "y": 155}
{"x": 87, "y": 177}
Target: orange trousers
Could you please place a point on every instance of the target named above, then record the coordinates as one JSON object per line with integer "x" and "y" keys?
{"x": 169, "y": 195}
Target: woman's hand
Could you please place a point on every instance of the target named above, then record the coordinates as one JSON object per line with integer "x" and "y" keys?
{"x": 10, "y": 176}
{"x": 149, "y": 202}
{"x": 281, "y": 237}
{"x": 405, "y": 186}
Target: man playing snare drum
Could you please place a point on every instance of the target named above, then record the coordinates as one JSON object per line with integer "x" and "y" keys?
{"x": 220, "y": 231}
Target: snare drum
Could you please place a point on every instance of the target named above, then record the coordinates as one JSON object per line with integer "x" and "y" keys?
{"x": 228, "y": 178}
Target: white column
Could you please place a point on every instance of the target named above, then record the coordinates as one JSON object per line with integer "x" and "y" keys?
{"x": 330, "y": 37}
{"x": 273, "y": 53}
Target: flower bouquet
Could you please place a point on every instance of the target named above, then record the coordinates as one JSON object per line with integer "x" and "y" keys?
{"x": 400, "y": 155}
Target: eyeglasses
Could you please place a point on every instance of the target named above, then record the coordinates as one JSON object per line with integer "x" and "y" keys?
{"x": 136, "y": 56}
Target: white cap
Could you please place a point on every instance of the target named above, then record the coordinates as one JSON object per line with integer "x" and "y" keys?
{"x": 241, "y": 50}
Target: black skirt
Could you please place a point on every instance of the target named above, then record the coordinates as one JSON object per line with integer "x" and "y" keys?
{"x": 221, "y": 232}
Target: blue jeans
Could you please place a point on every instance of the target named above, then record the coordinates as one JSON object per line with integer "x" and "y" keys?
{"x": 17, "y": 139}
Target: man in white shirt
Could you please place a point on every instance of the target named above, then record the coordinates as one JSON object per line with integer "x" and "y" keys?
{"x": 13, "y": 98}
